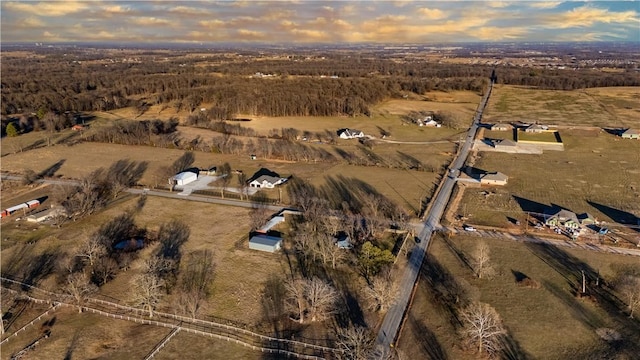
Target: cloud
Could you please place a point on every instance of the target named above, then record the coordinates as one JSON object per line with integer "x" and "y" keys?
{"x": 494, "y": 33}
{"x": 151, "y": 21}
{"x": 586, "y": 16}
{"x": 48, "y": 8}
{"x": 432, "y": 14}
{"x": 306, "y": 35}
{"x": 498, "y": 4}
{"x": 544, "y": 4}
{"x": 245, "y": 34}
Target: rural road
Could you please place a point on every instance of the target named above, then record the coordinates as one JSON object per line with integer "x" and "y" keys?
{"x": 172, "y": 195}
{"x": 391, "y": 324}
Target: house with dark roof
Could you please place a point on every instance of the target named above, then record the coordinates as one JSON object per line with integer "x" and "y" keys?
{"x": 265, "y": 178}
{"x": 347, "y": 133}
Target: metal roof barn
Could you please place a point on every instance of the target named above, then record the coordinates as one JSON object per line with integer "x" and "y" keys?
{"x": 185, "y": 177}
{"x": 265, "y": 243}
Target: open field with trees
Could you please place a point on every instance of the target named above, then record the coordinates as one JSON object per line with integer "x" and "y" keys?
{"x": 597, "y": 173}
{"x": 110, "y": 124}
{"x": 617, "y": 107}
{"x": 535, "y": 291}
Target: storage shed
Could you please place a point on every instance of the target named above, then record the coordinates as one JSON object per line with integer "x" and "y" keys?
{"x": 185, "y": 177}
{"x": 265, "y": 243}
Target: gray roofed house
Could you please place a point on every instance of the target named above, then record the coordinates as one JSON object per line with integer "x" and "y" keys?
{"x": 562, "y": 217}
{"x": 505, "y": 144}
{"x": 265, "y": 243}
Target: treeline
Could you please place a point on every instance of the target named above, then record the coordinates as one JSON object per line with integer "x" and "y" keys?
{"x": 54, "y": 83}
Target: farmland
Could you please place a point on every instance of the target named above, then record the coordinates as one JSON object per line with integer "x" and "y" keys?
{"x": 534, "y": 317}
{"x": 604, "y": 107}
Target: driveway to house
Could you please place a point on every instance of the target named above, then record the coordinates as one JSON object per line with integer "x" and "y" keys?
{"x": 393, "y": 320}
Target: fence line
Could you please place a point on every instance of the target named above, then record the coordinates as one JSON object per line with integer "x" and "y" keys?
{"x": 54, "y": 308}
{"x": 189, "y": 321}
{"x": 163, "y": 343}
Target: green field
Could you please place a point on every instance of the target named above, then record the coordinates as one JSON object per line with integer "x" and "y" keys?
{"x": 536, "y": 318}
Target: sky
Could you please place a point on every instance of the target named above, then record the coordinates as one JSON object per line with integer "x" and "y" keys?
{"x": 306, "y": 21}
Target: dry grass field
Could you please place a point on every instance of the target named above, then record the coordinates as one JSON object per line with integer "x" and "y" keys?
{"x": 239, "y": 277}
{"x": 548, "y": 322}
{"x": 606, "y": 107}
{"x": 597, "y": 173}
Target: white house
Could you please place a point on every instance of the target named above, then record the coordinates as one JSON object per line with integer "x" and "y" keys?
{"x": 184, "y": 178}
{"x": 350, "y": 133}
{"x": 267, "y": 181}
{"x": 432, "y": 123}
{"x": 265, "y": 243}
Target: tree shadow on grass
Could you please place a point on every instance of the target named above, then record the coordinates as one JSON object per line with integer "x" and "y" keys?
{"x": 510, "y": 348}
{"x": 426, "y": 339}
{"x": 445, "y": 291}
{"x": 619, "y": 216}
{"x": 51, "y": 170}
{"x": 571, "y": 269}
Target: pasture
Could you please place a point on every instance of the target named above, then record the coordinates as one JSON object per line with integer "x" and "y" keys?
{"x": 603, "y": 107}
{"x": 536, "y": 318}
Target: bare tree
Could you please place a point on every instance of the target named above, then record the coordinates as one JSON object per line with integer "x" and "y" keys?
{"x": 242, "y": 184}
{"x": 295, "y": 289}
{"x": 79, "y": 287}
{"x": 322, "y": 299}
{"x": 629, "y": 287}
{"x": 196, "y": 282}
{"x": 105, "y": 269}
{"x": 483, "y": 327}
{"x": 381, "y": 293}
{"x": 91, "y": 249}
{"x": 225, "y": 177}
{"x": 481, "y": 262}
{"x": 258, "y": 216}
{"x": 147, "y": 291}
{"x": 356, "y": 343}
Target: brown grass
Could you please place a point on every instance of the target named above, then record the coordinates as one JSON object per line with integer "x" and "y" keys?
{"x": 535, "y": 318}
{"x": 615, "y": 107}
{"x": 600, "y": 169}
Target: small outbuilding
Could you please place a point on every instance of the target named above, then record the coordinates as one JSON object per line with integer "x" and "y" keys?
{"x": 185, "y": 178}
{"x": 496, "y": 178}
{"x": 265, "y": 243}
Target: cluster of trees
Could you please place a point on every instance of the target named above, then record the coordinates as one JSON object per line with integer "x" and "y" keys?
{"x": 42, "y": 120}
{"x": 94, "y": 191}
{"x": 58, "y": 84}
{"x": 160, "y": 272}
{"x": 129, "y": 132}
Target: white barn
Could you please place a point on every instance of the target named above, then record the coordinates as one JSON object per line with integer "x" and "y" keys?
{"x": 350, "y": 133}
{"x": 184, "y": 178}
{"x": 265, "y": 243}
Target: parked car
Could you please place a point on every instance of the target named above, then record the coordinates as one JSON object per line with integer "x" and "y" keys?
{"x": 603, "y": 231}
{"x": 469, "y": 228}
